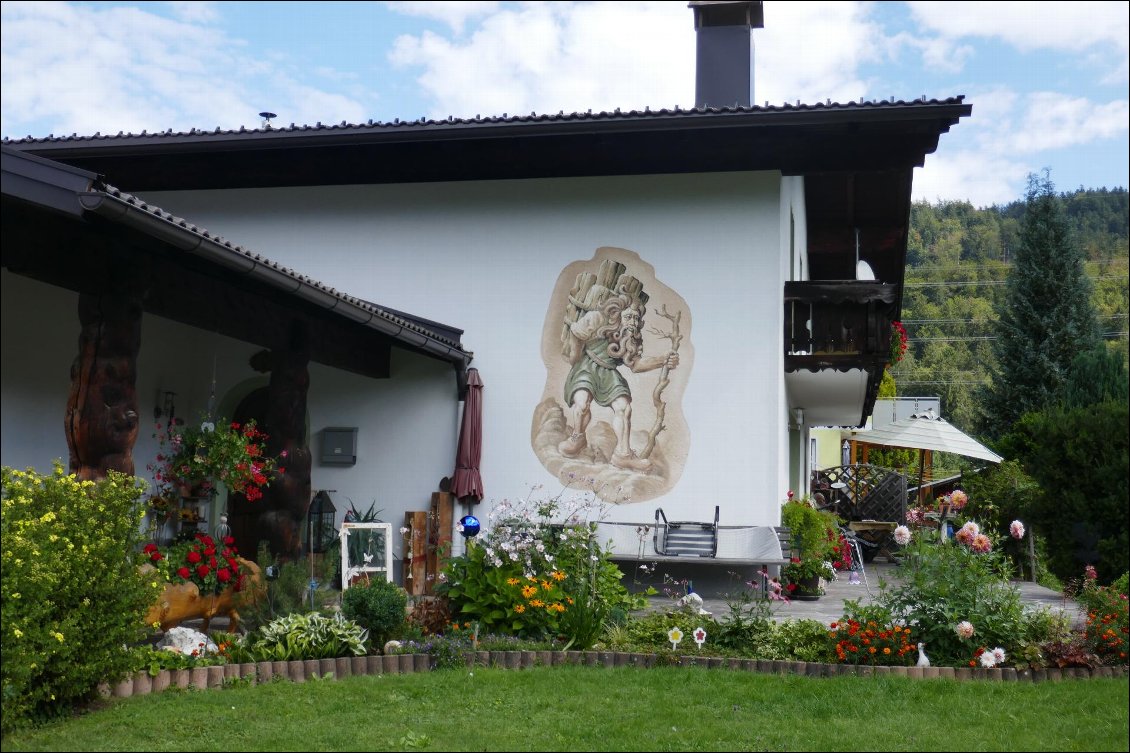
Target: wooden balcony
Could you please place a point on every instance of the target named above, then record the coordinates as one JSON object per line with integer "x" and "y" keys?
{"x": 839, "y": 325}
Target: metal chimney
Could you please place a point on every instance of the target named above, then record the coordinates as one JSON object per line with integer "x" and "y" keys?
{"x": 724, "y": 59}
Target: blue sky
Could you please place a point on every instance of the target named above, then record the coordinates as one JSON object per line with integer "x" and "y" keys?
{"x": 1048, "y": 81}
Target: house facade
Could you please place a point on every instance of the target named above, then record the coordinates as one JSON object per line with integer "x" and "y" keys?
{"x": 660, "y": 304}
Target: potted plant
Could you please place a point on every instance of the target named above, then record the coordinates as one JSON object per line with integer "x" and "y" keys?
{"x": 192, "y": 460}
{"x": 815, "y": 536}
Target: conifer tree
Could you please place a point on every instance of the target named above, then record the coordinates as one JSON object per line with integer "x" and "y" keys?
{"x": 1047, "y": 318}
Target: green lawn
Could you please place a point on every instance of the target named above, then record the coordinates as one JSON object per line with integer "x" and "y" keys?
{"x": 587, "y": 708}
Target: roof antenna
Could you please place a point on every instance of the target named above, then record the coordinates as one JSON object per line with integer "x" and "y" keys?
{"x": 266, "y": 116}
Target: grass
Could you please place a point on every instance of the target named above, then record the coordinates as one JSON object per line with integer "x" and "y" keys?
{"x": 585, "y": 708}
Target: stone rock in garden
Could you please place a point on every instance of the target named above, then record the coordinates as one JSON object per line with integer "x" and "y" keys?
{"x": 186, "y": 640}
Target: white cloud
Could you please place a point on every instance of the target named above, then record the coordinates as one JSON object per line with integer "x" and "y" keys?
{"x": 452, "y": 12}
{"x": 938, "y": 53}
{"x": 1053, "y": 121}
{"x": 86, "y": 69}
{"x": 547, "y": 57}
{"x": 1074, "y": 27}
{"x": 989, "y": 155}
{"x": 1006, "y": 122}
{"x": 812, "y": 52}
{"x": 194, "y": 11}
{"x": 982, "y": 178}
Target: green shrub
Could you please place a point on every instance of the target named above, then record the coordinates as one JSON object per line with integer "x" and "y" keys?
{"x": 1080, "y": 457}
{"x": 799, "y": 640}
{"x": 947, "y": 583}
{"x": 72, "y": 594}
{"x": 303, "y": 636}
{"x": 526, "y": 573}
{"x": 378, "y": 606}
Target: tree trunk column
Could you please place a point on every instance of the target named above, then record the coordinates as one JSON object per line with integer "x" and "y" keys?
{"x": 288, "y": 496}
{"x": 101, "y": 422}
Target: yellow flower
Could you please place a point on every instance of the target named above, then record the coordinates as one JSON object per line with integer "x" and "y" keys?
{"x": 513, "y": 581}
{"x": 58, "y": 636}
{"x": 17, "y": 632}
{"x": 519, "y": 609}
{"x": 558, "y": 575}
{"x": 528, "y": 591}
{"x": 546, "y": 585}
{"x": 537, "y": 603}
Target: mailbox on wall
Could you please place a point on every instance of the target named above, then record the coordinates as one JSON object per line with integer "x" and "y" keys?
{"x": 339, "y": 445}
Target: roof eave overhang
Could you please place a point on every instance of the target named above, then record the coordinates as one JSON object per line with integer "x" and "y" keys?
{"x": 791, "y": 140}
{"x": 192, "y": 242}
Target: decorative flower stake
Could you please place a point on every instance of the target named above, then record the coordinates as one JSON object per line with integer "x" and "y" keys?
{"x": 675, "y": 635}
{"x": 699, "y": 636}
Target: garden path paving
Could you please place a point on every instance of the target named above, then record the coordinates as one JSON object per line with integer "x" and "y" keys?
{"x": 829, "y": 607}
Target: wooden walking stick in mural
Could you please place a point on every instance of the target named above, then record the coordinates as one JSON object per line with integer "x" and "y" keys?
{"x": 657, "y": 394}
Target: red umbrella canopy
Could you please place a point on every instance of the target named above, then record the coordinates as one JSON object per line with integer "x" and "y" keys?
{"x": 467, "y": 482}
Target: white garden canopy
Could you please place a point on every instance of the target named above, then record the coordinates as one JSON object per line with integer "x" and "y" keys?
{"x": 927, "y": 431}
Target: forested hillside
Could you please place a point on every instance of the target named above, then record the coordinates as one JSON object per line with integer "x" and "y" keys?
{"x": 958, "y": 258}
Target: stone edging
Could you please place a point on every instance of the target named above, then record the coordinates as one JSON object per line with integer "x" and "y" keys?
{"x": 202, "y": 678}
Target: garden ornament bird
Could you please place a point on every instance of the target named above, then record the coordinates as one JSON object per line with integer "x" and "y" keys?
{"x": 923, "y": 660}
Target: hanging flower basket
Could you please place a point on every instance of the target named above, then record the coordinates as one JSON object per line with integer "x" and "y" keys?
{"x": 899, "y": 343}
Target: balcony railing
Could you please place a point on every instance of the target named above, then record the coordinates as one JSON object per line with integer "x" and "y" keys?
{"x": 838, "y": 324}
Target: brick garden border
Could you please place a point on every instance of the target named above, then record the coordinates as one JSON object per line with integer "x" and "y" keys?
{"x": 203, "y": 678}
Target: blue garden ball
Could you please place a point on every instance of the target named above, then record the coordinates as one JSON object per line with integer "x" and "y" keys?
{"x": 470, "y": 526}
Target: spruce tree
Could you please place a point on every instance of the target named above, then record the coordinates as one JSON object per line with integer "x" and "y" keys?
{"x": 1047, "y": 318}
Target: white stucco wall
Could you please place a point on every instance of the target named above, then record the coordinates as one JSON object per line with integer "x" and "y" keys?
{"x": 485, "y": 256}
{"x": 408, "y": 422}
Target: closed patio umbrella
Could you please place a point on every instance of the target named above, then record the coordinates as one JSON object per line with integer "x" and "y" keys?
{"x": 467, "y": 483}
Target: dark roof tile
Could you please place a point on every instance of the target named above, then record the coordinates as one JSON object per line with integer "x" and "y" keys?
{"x": 240, "y": 250}
{"x": 534, "y": 117}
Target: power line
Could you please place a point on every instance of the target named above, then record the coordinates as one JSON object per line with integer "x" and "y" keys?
{"x": 976, "y": 283}
{"x": 982, "y": 321}
{"x": 968, "y": 338}
{"x": 999, "y": 265}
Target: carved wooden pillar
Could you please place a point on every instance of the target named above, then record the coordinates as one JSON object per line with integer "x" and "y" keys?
{"x": 101, "y": 420}
{"x": 286, "y": 499}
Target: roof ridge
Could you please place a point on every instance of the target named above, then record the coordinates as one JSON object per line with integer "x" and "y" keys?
{"x": 561, "y": 116}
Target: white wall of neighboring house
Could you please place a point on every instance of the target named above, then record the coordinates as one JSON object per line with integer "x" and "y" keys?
{"x": 484, "y": 256}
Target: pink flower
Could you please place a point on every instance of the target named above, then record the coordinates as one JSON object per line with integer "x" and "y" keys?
{"x": 981, "y": 543}
{"x": 964, "y": 629}
{"x": 902, "y": 535}
{"x": 1016, "y": 528}
{"x": 958, "y": 499}
{"x": 1090, "y": 572}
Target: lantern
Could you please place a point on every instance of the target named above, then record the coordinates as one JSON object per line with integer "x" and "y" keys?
{"x": 320, "y": 522}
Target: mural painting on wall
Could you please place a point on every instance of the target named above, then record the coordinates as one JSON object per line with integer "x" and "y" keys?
{"x": 617, "y": 352}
